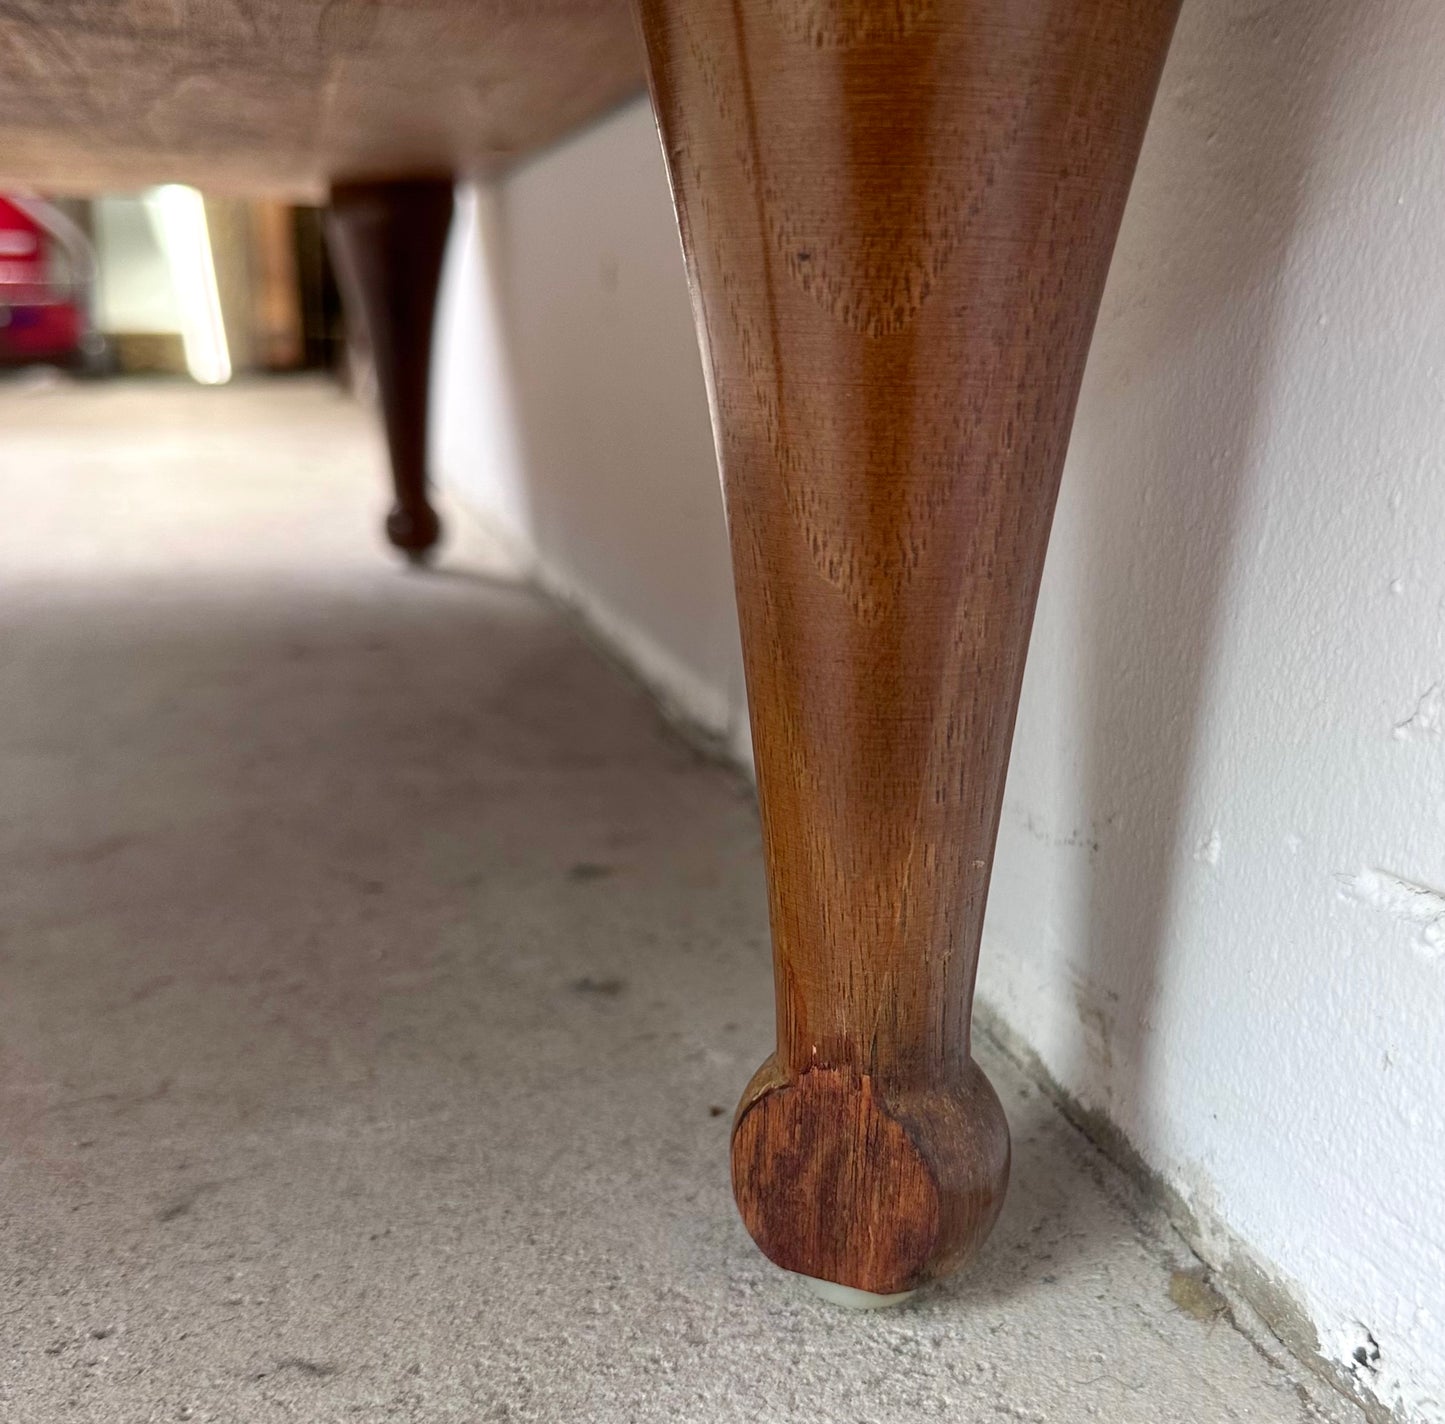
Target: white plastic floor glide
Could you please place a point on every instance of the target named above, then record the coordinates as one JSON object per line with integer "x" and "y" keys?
{"x": 851, "y": 1299}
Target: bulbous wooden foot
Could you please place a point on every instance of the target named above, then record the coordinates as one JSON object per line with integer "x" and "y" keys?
{"x": 387, "y": 240}
{"x": 840, "y": 1179}
{"x": 415, "y": 531}
{"x": 897, "y": 218}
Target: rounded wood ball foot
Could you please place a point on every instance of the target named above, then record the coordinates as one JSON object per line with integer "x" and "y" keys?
{"x": 843, "y": 1180}
{"x": 414, "y": 531}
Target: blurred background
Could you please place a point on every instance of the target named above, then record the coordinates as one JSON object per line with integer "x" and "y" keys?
{"x": 165, "y": 282}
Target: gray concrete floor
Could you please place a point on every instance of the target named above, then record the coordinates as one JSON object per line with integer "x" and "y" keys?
{"x": 379, "y": 975}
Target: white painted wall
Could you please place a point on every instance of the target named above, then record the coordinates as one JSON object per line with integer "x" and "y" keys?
{"x": 135, "y": 290}
{"x": 571, "y": 409}
{"x": 1216, "y": 912}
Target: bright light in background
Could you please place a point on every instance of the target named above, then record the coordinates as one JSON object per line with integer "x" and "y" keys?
{"x": 179, "y": 215}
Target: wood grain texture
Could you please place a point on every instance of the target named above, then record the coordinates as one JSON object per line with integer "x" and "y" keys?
{"x": 897, "y": 218}
{"x": 388, "y": 240}
{"x": 283, "y": 96}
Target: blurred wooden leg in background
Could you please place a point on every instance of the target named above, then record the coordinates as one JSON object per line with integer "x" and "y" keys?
{"x": 387, "y": 240}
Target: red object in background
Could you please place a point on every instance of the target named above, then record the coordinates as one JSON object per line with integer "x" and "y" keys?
{"x": 40, "y": 319}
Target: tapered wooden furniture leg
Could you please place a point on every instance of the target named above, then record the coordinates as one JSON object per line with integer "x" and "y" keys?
{"x": 897, "y": 217}
{"x": 387, "y": 240}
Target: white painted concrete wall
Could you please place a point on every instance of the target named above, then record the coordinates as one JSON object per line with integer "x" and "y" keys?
{"x": 1217, "y": 911}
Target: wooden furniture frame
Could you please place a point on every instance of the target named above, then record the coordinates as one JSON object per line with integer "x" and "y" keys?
{"x": 897, "y": 217}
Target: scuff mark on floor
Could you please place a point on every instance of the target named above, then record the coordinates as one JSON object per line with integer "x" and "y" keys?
{"x": 1193, "y": 1291}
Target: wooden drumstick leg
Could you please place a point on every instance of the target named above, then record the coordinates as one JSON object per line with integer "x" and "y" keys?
{"x": 387, "y": 240}
{"x": 897, "y": 217}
